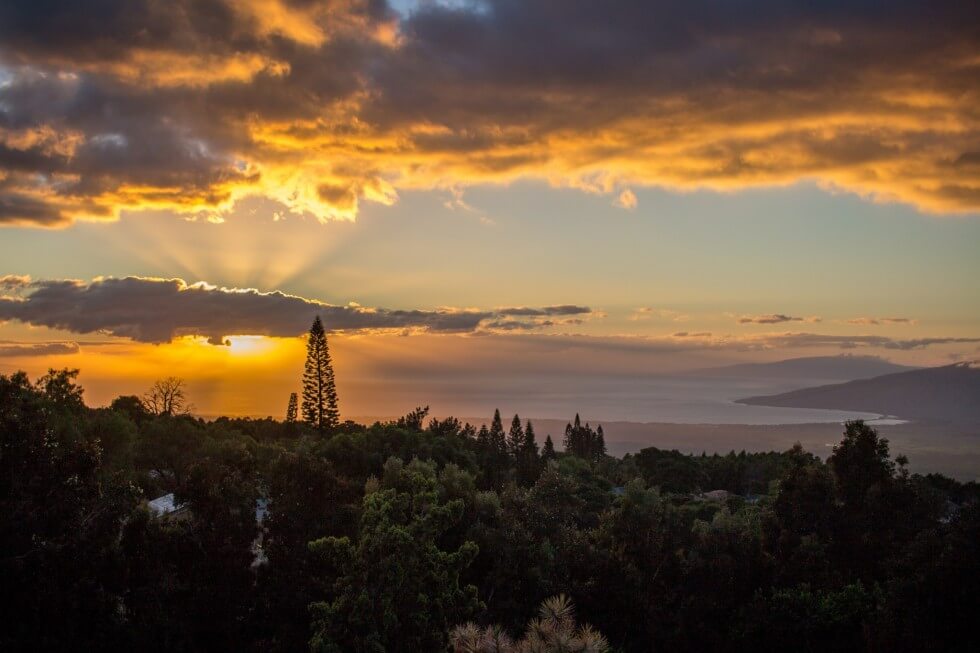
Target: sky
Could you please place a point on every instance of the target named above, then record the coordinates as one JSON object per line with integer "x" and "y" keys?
{"x": 479, "y": 193}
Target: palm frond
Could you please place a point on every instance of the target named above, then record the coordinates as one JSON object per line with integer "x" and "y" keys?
{"x": 557, "y": 609}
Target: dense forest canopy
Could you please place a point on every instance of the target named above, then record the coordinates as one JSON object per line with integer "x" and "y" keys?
{"x": 432, "y": 535}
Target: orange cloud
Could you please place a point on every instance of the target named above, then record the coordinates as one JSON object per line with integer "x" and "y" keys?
{"x": 647, "y": 312}
{"x": 175, "y": 69}
{"x": 324, "y": 105}
{"x": 626, "y": 200}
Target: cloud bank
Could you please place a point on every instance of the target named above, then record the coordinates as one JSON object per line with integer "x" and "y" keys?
{"x": 9, "y": 349}
{"x": 564, "y": 309}
{"x": 321, "y": 105}
{"x": 877, "y": 321}
{"x": 159, "y": 310}
{"x": 152, "y": 310}
{"x": 775, "y": 318}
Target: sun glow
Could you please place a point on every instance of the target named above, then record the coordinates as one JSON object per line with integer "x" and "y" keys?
{"x": 251, "y": 345}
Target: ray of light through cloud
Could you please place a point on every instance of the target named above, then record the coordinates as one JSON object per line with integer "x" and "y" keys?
{"x": 778, "y": 180}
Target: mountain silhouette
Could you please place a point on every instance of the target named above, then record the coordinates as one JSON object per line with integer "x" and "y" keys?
{"x": 947, "y": 394}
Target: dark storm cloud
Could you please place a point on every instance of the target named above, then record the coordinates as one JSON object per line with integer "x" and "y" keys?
{"x": 158, "y": 310}
{"x": 17, "y": 209}
{"x": 192, "y": 104}
{"x": 108, "y": 29}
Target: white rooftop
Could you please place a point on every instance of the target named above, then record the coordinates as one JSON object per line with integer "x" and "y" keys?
{"x": 163, "y": 505}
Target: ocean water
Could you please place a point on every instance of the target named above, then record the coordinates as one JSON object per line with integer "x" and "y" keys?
{"x": 688, "y": 401}
{"x": 683, "y": 400}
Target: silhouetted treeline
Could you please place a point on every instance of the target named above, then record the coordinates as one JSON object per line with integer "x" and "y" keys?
{"x": 283, "y": 537}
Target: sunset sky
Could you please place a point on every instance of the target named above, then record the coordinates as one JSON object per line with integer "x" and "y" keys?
{"x": 473, "y": 192}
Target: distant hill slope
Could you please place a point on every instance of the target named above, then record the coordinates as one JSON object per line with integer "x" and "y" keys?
{"x": 838, "y": 368}
{"x": 950, "y": 394}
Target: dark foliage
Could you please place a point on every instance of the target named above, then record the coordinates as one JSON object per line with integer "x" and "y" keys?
{"x": 385, "y": 537}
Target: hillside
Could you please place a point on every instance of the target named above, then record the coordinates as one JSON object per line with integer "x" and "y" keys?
{"x": 950, "y": 393}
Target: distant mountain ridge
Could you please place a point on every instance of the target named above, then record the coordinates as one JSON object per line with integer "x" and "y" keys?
{"x": 947, "y": 394}
{"x": 837, "y": 368}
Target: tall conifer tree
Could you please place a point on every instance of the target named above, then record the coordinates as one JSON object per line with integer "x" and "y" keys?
{"x": 530, "y": 444}
{"x": 319, "y": 386}
{"x": 498, "y": 441}
{"x": 548, "y": 450}
{"x": 515, "y": 439}
{"x": 528, "y": 464}
{"x": 571, "y": 438}
{"x": 291, "y": 409}
{"x": 483, "y": 438}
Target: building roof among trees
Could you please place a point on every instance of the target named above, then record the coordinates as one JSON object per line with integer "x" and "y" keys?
{"x": 164, "y": 505}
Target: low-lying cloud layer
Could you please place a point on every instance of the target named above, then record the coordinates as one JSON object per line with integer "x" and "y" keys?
{"x": 775, "y": 318}
{"x": 159, "y": 310}
{"x": 11, "y": 349}
{"x": 153, "y": 310}
{"x": 564, "y": 309}
{"x": 684, "y": 341}
{"x": 877, "y": 321}
{"x": 323, "y": 104}
{"x": 858, "y": 341}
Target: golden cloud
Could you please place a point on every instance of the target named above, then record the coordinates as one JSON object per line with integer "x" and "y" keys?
{"x": 150, "y": 68}
{"x": 323, "y": 105}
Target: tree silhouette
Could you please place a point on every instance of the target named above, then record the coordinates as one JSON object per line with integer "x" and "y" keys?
{"x": 855, "y": 553}
{"x": 584, "y": 442}
{"x": 167, "y": 397}
{"x": 498, "y": 441}
{"x": 483, "y": 438}
{"x": 60, "y": 387}
{"x": 319, "y": 387}
{"x": 515, "y": 439}
{"x": 528, "y": 463}
{"x": 548, "y": 450}
{"x": 291, "y": 409}
{"x": 530, "y": 444}
{"x": 62, "y": 519}
{"x": 571, "y": 435}
{"x": 131, "y": 406}
{"x": 414, "y": 420}
{"x": 860, "y": 462}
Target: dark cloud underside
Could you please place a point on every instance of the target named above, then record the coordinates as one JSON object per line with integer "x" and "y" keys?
{"x": 190, "y": 105}
{"x": 158, "y": 310}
